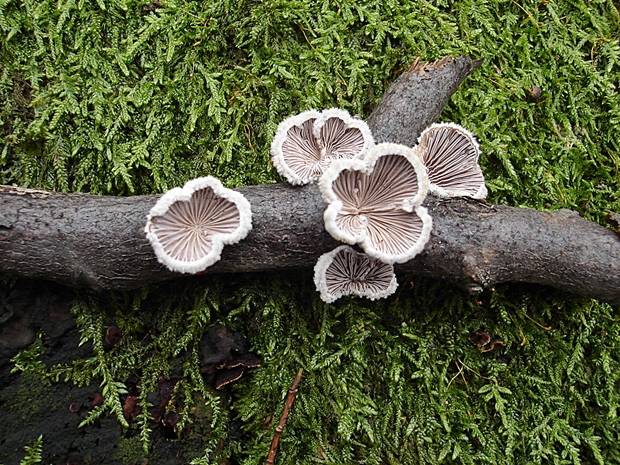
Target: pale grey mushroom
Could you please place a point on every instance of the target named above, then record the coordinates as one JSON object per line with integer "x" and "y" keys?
{"x": 450, "y": 154}
{"x": 188, "y": 227}
{"x": 376, "y": 202}
{"x": 305, "y": 144}
{"x": 343, "y": 271}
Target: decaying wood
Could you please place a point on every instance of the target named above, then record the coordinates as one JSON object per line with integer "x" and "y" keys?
{"x": 288, "y": 405}
{"x": 415, "y": 99}
{"x": 95, "y": 241}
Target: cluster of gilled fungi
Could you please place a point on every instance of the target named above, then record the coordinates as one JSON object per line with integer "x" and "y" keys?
{"x": 306, "y": 144}
{"x": 376, "y": 203}
{"x": 374, "y": 195}
{"x": 374, "y": 192}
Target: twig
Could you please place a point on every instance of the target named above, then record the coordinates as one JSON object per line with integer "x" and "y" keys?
{"x": 460, "y": 372}
{"x": 288, "y": 405}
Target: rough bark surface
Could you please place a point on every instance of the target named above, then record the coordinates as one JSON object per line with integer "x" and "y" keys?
{"x": 98, "y": 242}
{"x": 415, "y": 99}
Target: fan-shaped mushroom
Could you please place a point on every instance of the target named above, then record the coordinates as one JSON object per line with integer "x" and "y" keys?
{"x": 188, "y": 227}
{"x": 305, "y": 144}
{"x": 343, "y": 271}
{"x": 450, "y": 154}
{"x": 375, "y": 202}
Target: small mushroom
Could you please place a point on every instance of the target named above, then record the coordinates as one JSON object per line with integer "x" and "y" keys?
{"x": 450, "y": 154}
{"x": 225, "y": 357}
{"x": 533, "y": 94}
{"x": 376, "y": 202}
{"x": 305, "y": 144}
{"x": 74, "y": 407}
{"x": 343, "y": 271}
{"x": 130, "y": 407}
{"x": 480, "y": 338}
{"x": 96, "y": 399}
{"x": 188, "y": 227}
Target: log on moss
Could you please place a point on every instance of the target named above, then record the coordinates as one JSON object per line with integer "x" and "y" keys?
{"x": 98, "y": 242}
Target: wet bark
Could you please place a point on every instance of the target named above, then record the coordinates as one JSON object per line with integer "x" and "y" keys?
{"x": 98, "y": 242}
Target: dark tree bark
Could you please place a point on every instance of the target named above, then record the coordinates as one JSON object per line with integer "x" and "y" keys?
{"x": 98, "y": 242}
{"x": 416, "y": 98}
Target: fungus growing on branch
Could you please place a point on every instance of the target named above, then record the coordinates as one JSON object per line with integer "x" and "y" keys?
{"x": 305, "y": 144}
{"x": 188, "y": 227}
{"x": 450, "y": 154}
{"x": 343, "y": 271}
{"x": 376, "y": 202}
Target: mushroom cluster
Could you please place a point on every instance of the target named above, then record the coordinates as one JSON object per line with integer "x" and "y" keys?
{"x": 376, "y": 203}
{"x": 374, "y": 193}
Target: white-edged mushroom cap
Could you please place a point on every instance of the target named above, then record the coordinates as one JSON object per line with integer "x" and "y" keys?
{"x": 343, "y": 271}
{"x": 305, "y": 144}
{"x": 450, "y": 153}
{"x": 189, "y": 226}
{"x": 375, "y": 202}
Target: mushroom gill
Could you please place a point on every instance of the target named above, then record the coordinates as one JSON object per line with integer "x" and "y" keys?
{"x": 188, "y": 227}
{"x": 450, "y": 154}
{"x": 305, "y": 144}
{"x": 343, "y": 271}
{"x": 376, "y": 203}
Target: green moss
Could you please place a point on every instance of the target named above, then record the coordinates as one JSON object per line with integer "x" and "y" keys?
{"x": 125, "y": 96}
{"x": 28, "y": 396}
{"x": 393, "y": 382}
{"x": 129, "y": 451}
{"x": 32, "y": 452}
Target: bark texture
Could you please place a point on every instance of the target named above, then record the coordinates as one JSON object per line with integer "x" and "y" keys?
{"x": 93, "y": 241}
{"x": 416, "y": 98}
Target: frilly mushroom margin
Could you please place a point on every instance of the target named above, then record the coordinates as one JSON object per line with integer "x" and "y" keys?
{"x": 444, "y": 192}
{"x": 218, "y": 240}
{"x": 326, "y": 260}
{"x": 320, "y": 119}
{"x": 411, "y": 205}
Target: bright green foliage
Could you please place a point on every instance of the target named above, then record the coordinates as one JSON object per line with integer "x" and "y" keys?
{"x": 33, "y": 452}
{"x": 28, "y": 360}
{"x": 392, "y": 382}
{"x": 170, "y": 348}
{"x": 127, "y": 97}
{"x": 400, "y": 382}
{"x": 123, "y": 97}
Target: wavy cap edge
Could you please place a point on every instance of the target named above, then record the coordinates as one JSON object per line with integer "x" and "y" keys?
{"x": 218, "y": 240}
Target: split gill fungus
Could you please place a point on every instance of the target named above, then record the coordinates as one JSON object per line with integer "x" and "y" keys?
{"x": 376, "y": 202}
{"x": 450, "y": 154}
{"x": 305, "y": 144}
{"x": 343, "y": 271}
{"x": 189, "y": 226}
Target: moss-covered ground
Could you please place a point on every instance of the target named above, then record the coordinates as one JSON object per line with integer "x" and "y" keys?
{"x": 126, "y": 97}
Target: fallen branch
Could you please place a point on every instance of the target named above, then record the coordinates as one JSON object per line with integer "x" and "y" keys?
{"x": 288, "y": 405}
{"x": 95, "y": 241}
